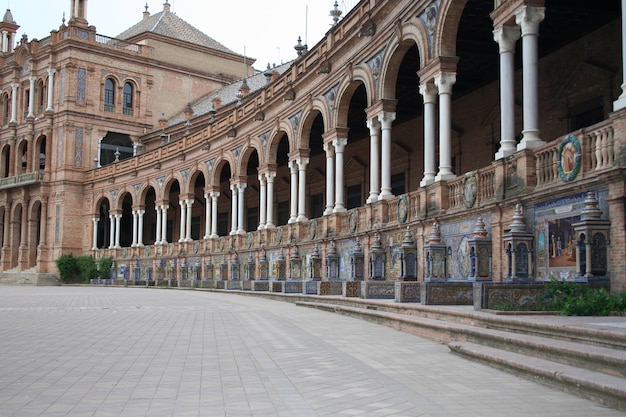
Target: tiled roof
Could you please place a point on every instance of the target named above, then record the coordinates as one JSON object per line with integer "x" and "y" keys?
{"x": 166, "y": 23}
{"x": 227, "y": 94}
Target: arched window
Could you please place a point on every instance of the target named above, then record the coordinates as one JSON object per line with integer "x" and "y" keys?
{"x": 41, "y": 96}
{"x": 109, "y": 95}
{"x": 127, "y": 99}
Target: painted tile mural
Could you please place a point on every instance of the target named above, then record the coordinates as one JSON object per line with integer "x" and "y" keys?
{"x": 554, "y": 234}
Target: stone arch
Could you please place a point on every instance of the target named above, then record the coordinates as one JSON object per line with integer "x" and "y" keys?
{"x": 396, "y": 51}
{"x": 244, "y": 157}
{"x": 448, "y": 19}
{"x": 345, "y": 98}
{"x": 318, "y": 107}
{"x": 274, "y": 142}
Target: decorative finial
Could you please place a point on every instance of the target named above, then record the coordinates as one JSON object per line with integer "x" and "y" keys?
{"x": 479, "y": 228}
{"x": 335, "y": 13}
{"x": 408, "y": 238}
{"x": 299, "y": 47}
{"x": 519, "y": 223}
{"x": 591, "y": 210}
{"x": 435, "y": 235}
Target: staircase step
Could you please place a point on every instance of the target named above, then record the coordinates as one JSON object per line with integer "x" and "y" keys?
{"x": 605, "y": 389}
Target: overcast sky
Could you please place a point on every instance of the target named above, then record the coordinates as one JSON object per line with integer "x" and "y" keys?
{"x": 266, "y": 30}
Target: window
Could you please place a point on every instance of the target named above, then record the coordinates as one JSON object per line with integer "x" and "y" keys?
{"x": 398, "y": 184}
{"x": 127, "y": 99}
{"x": 317, "y": 206}
{"x": 109, "y": 95}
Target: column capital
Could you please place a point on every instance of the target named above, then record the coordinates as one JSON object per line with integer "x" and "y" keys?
{"x": 340, "y": 144}
{"x": 373, "y": 124}
{"x": 528, "y": 18}
{"x": 270, "y": 175}
{"x": 444, "y": 82}
{"x": 329, "y": 148}
{"x": 242, "y": 186}
{"x": 428, "y": 90}
{"x": 302, "y": 163}
{"x": 506, "y": 36}
{"x": 386, "y": 118}
{"x": 51, "y": 71}
{"x": 214, "y": 194}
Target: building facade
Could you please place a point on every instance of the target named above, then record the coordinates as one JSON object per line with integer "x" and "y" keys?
{"x": 442, "y": 141}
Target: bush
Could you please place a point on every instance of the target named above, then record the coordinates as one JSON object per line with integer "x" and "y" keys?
{"x": 87, "y": 268}
{"x": 575, "y": 299}
{"x": 104, "y": 267}
{"x": 68, "y": 268}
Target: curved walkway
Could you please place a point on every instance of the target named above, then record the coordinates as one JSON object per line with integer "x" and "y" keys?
{"x": 96, "y": 351}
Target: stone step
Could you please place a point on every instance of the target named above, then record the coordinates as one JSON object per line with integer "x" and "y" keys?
{"x": 596, "y": 386}
{"x": 601, "y": 363}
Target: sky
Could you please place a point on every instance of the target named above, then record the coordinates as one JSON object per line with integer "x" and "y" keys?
{"x": 264, "y": 30}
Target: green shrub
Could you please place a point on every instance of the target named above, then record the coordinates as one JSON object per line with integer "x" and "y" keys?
{"x": 87, "y": 268}
{"x": 575, "y": 299}
{"x": 68, "y": 268}
{"x": 104, "y": 267}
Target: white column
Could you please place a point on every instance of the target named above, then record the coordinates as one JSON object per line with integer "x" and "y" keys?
{"x": 233, "y": 209}
{"x": 157, "y": 240}
{"x": 444, "y": 84}
{"x": 95, "y": 233}
{"x": 262, "y": 202}
{"x": 339, "y": 145}
{"x": 241, "y": 208}
{"x": 429, "y": 92}
{"x": 385, "y": 119}
{"x": 111, "y": 231}
{"x": 134, "y": 243}
{"x": 529, "y": 18}
{"x": 189, "y": 213}
{"x": 31, "y": 97}
{"x": 5, "y": 41}
{"x": 293, "y": 199}
{"x": 214, "y": 196}
{"x": 140, "y": 214}
{"x": 183, "y": 220}
{"x": 118, "y": 221}
{"x": 302, "y": 163}
{"x": 506, "y": 36}
{"x": 269, "y": 224}
{"x": 51, "y": 72}
{"x": 374, "y": 126}
{"x": 14, "y": 87}
{"x": 207, "y": 216}
{"x": 164, "y": 224}
{"x": 330, "y": 177}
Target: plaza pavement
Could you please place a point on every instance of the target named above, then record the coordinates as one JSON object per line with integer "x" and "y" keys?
{"x": 102, "y": 351}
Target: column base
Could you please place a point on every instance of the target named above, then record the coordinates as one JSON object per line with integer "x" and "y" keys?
{"x": 504, "y": 153}
{"x": 620, "y": 103}
{"x": 530, "y": 140}
{"x": 301, "y": 218}
{"x": 328, "y": 211}
{"x": 373, "y": 197}
{"x": 444, "y": 177}
{"x": 427, "y": 181}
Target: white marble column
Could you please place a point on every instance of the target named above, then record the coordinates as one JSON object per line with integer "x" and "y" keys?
{"x": 529, "y": 18}
{"x": 111, "y": 231}
{"x": 302, "y": 163}
{"x": 134, "y": 242}
{"x": 444, "y": 83}
{"x": 5, "y": 41}
{"x": 330, "y": 177}
{"x": 269, "y": 224}
{"x": 157, "y": 239}
{"x": 506, "y": 36}
{"x": 262, "y": 202}
{"x": 340, "y": 204}
{"x": 189, "y": 204}
{"x": 293, "y": 199}
{"x": 14, "y": 87}
{"x": 214, "y": 197}
{"x": 429, "y": 92}
{"x": 207, "y": 216}
{"x": 31, "y": 97}
{"x": 51, "y": 72}
{"x": 241, "y": 208}
{"x": 118, "y": 223}
{"x": 385, "y": 119}
{"x": 233, "y": 209}
{"x": 374, "y": 126}
{"x": 140, "y": 214}
{"x": 183, "y": 220}
{"x": 164, "y": 224}
{"x": 95, "y": 233}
